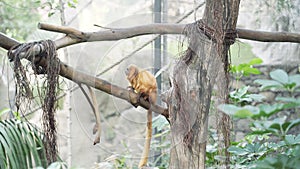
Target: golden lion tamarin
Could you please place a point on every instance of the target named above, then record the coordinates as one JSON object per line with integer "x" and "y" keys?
{"x": 144, "y": 83}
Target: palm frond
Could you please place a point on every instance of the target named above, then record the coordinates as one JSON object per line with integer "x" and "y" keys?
{"x": 21, "y": 145}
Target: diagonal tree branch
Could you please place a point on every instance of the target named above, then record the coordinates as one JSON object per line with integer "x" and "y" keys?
{"x": 100, "y": 84}
{"x": 7, "y": 42}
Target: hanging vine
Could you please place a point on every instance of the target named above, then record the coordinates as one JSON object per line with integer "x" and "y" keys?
{"x": 47, "y": 93}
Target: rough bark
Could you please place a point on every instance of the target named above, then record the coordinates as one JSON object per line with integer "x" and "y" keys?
{"x": 189, "y": 108}
{"x": 199, "y": 69}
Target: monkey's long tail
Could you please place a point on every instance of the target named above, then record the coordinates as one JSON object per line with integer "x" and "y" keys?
{"x": 146, "y": 150}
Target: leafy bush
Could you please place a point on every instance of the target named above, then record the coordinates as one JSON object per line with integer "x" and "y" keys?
{"x": 270, "y": 144}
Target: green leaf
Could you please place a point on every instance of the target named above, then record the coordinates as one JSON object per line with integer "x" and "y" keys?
{"x": 18, "y": 143}
{"x": 260, "y": 132}
{"x": 211, "y": 148}
{"x": 51, "y": 13}
{"x": 292, "y": 139}
{"x": 276, "y": 126}
{"x": 233, "y": 69}
{"x": 269, "y": 84}
{"x": 289, "y": 86}
{"x": 3, "y": 163}
{"x": 289, "y": 125}
{"x": 275, "y": 146}
{"x": 239, "y": 112}
{"x": 295, "y": 79}
{"x": 256, "y": 97}
{"x": 242, "y": 91}
{"x": 250, "y": 70}
{"x": 286, "y": 99}
{"x": 237, "y": 150}
{"x": 280, "y": 76}
{"x": 240, "y": 95}
{"x": 242, "y": 66}
{"x": 243, "y": 113}
{"x": 21, "y": 144}
{"x": 255, "y": 61}
{"x": 277, "y": 123}
{"x": 17, "y": 115}
{"x": 253, "y": 109}
{"x": 273, "y": 162}
{"x": 255, "y": 148}
{"x": 267, "y": 110}
{"x": 290, "y": 102}
{"x": 246, "y": 111}
{"x": 71, "y": 4}
{"x": 296, "y": 152}
{"x": 7, "y": 146}
{"x": 228, "y": 108}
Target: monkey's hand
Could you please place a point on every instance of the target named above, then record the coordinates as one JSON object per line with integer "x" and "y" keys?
{"x": 130, "y": 88}
{"x": 133, "y": 99}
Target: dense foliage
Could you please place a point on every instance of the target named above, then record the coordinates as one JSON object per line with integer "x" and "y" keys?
{"x": 271, "y": 141}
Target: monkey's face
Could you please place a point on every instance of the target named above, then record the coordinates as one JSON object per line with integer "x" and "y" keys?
{"x": 131, "y": 72}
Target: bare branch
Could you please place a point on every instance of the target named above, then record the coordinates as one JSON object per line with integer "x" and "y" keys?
{"x": 74, "y": 36}
{"x": 97, "y": 127}
{"x": 7, "y": 42}
{"x": 264, "y": 36}
{"x": 61, "y": 29}
{"x": 110, "y": 35}
{"x": 92, "y": 100}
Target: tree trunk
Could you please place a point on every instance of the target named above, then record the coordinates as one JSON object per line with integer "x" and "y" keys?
{"x": 203, "y": 66}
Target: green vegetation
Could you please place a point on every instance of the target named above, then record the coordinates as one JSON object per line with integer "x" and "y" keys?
{"x": 245, "y": 69}
{"x": 270, "y": 142}
{"x": 19, "y": 18}
{"x": 21, "y": 145}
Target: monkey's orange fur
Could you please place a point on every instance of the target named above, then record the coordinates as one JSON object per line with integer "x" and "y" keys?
{"x": 144, "y": 83}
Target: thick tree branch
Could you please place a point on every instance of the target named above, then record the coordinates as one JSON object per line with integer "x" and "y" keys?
{"x": 74, "y": 36}
{"x": 6, "y": 42}
{"x": 264, "y": 36}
